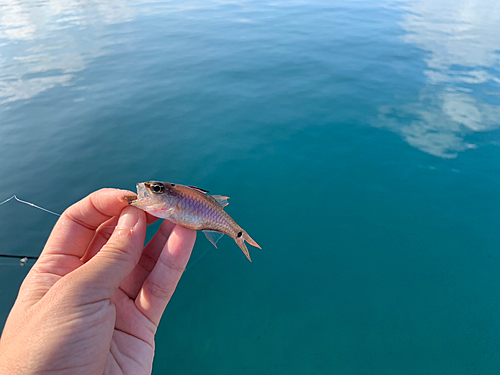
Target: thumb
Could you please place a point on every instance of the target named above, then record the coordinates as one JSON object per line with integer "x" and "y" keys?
{"x": 104, "y": 273}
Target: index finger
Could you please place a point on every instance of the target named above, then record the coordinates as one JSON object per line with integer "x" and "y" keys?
{"x": 76, "y": 227}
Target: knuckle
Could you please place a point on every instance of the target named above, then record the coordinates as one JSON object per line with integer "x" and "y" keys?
{"x": 117, "y": 250}
{"x": 147, "y": 262}
{"x": 171, "y": 266}
{"x": 160, "y": 291}
{"x": 104, "y": 233}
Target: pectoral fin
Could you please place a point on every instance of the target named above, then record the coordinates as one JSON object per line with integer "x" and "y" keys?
{"x": 213, "y": 236}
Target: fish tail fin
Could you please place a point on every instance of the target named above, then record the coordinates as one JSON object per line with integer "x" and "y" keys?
{"x": 241, "y": 243}
{"x": 250, "y": 240}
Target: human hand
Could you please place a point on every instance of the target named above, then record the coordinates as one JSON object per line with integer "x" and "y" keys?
{"x": 92, "y": 302}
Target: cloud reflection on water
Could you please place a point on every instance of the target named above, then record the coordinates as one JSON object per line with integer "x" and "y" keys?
{"x": 461, "y": 38}
{"x": 39, "y": 47}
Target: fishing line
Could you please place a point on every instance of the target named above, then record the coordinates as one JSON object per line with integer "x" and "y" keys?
{"x": 24, "y": 258}
{"x": 29, "y": 204}
{"x": 191, "y": 264}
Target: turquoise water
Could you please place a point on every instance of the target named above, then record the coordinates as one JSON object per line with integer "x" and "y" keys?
{"x": 358, "y": 141}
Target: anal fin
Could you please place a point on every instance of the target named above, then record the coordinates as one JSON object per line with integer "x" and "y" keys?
{"x": 213, "y": 236}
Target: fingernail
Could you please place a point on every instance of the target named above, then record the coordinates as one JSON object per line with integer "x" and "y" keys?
{"x": 128, "y": 218}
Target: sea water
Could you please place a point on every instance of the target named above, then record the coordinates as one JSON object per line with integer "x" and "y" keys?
{"x": 358, "y": 141}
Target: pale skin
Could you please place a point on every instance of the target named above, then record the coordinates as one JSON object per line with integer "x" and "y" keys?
{"x": 92, "y": 302}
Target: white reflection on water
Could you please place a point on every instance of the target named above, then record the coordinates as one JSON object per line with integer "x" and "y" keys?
{"x": 461, "y": 38}
{"x": 42, "y": 45}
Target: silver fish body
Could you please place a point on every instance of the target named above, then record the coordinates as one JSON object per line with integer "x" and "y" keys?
{"x": 192, "y": 208}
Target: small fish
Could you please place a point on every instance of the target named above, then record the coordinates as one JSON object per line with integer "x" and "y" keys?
{"x": 192, "y": 208}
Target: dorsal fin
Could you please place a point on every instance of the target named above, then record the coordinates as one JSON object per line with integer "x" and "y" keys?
{"x": 200, "y": 190}
{"x": 221, "y": 199}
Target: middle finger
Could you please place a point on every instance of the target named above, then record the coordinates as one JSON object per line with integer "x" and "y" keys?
{"x": 133, "y": 282}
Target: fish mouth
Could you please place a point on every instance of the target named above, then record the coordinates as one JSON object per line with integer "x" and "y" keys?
{"x": 143, "y": 196}
{"x": 141, "y": 190}
{"x": 140, "y": 199}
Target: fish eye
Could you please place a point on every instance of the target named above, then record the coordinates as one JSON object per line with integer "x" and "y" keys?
{"x": 157, "y": 188}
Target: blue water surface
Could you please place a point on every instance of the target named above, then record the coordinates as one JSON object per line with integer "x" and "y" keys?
{"x": 358, "y": 141}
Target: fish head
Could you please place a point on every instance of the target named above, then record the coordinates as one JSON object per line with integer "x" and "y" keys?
{"x": 155, "y": 197}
